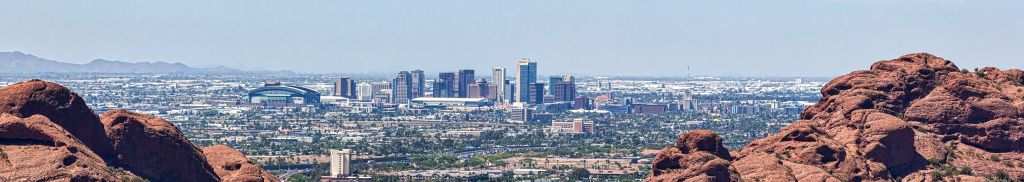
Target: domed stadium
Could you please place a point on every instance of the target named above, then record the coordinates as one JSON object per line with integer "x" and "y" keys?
{"x": 275, "y": 93}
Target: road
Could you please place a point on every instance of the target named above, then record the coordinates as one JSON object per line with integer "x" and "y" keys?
{"x": 289, "y": 173}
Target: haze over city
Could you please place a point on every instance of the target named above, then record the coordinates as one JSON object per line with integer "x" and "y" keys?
{"x": 657, "y": 38}
{"x": 530, "y": 90}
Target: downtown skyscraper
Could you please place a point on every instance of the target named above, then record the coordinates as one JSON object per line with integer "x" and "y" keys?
{"x": 364, "y": 91}
{"x": 444, "y": 86}
{"x": 418, "y": 83}
{"x": 401, "y": 92}
{"x": 500, "y": 82}
{"x": 563, "y": 89}
{"x": 552, "y": 80}
{"x": 480, "y": 89}
{"x": 345, "y": 87}
{"x": 464, "y": 78}
{"x": 526, "y": 76}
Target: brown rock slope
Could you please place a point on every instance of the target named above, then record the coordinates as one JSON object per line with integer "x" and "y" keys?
{"x": 914, "y": 118}
{"x": 154, "y": 149}
{"x": 36, "y": 149}
{"x": 47, "y": 133}
{"x": 232, "y": 166}
{"x": 61, "y": 106}
{"x": 697, "y": 156}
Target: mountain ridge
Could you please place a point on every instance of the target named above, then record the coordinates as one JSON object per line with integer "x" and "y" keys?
{"x": 19, "y": 62}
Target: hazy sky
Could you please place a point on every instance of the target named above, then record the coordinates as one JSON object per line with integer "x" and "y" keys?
{"x": 587, "y": 37}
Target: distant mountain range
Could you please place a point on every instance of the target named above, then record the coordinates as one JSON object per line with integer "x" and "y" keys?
{"x": 18, "y": 62}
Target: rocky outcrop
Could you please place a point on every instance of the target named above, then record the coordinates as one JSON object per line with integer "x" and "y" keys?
{"x": 61, "y": 106}
{"x": 36, "y": 149}
{"x": 47, "y": 133}
{"x": 915, "y": 118}
{"x": 697, "y": 156}
{"x": 154, "y": 149}
{"x": 232, "y": 166}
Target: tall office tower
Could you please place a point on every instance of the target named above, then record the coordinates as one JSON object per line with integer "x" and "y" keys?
{"x": 447, "y": 89}
{"x": 463, "y": 79}
{"x": 345, "y": 87}
{"x": 552, "y": 80}
{"x": 563, "y": 89}
{"x": 401, "y": 91}
{"x": 364, "y": 91}
{"x": 525, "y": 76}
{"x": 439, "y": 89}
{"x": 418, "y": 83}
{"x": 473, "y": 91}
{"x": 339, "y": 86}
{"x": 492, "y": 91}
{"x": 381, "y": 86}
{"x": 688, "y": 104}
{"x": 340, "y": 160}
{"x": 510, "y": 92}
{"x": 381, "y": 92}
{"x": 536, "y": 93}
{"x": 478, "y": 89}
{"x": 484, "y": 90}
{"x": 498, "y": 78}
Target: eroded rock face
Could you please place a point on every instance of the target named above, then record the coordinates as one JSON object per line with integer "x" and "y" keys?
{"x": 154, "y": 148}
{"x": 61, "y": 106}
{"x": 697, "y": 156}
{"x": 47, "y": 133}
{"x": 232, "y": 166}
{"x": 36, "y": 149}
{"x": 912, "y": 118}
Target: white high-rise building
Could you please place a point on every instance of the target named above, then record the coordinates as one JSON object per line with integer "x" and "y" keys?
{"x": 340, "y": 160}
{"x": 688, "y": 103}
{"x": 364, "y": 91}
{"x": 499, "y": 79}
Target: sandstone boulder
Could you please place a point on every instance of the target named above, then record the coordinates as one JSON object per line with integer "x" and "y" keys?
{"x": 154, "y": 149}
{"x": 36, "y": 149}
{"x": 232, "y": 166}
{"x": 916, "y": 118}
{"x": 61, "y": 106}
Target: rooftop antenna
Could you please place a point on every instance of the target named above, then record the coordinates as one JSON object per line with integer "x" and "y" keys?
{"x": 688, "y": 71}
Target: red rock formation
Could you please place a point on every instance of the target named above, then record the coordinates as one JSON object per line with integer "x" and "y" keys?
{"x": 154, "y": 149}
{"x": 61, "y": 106}
{"x": 47, "y": 133}
{"x": 697, "y": 156}
{"x": 36, "y": 149}
{"x": 916, "y": 118}
{"x": 232, "y": 166}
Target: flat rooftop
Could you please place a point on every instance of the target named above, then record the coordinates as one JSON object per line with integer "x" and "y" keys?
{"x": 443, "y": 99}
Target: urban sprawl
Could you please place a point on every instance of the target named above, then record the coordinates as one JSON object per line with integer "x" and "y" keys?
{"x": 503, "y": 124}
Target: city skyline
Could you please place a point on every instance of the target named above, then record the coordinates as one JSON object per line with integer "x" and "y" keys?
{"x": 525, "y": 90}
{"x": 582, "y": 38}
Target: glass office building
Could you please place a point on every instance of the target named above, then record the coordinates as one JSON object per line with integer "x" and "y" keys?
{"x": 526, "y": 75}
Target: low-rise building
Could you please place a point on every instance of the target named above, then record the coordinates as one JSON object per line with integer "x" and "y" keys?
{"x": 576, "y": 126}
{"x": 519, "y": 112}
{"x": 437, "y": 102}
